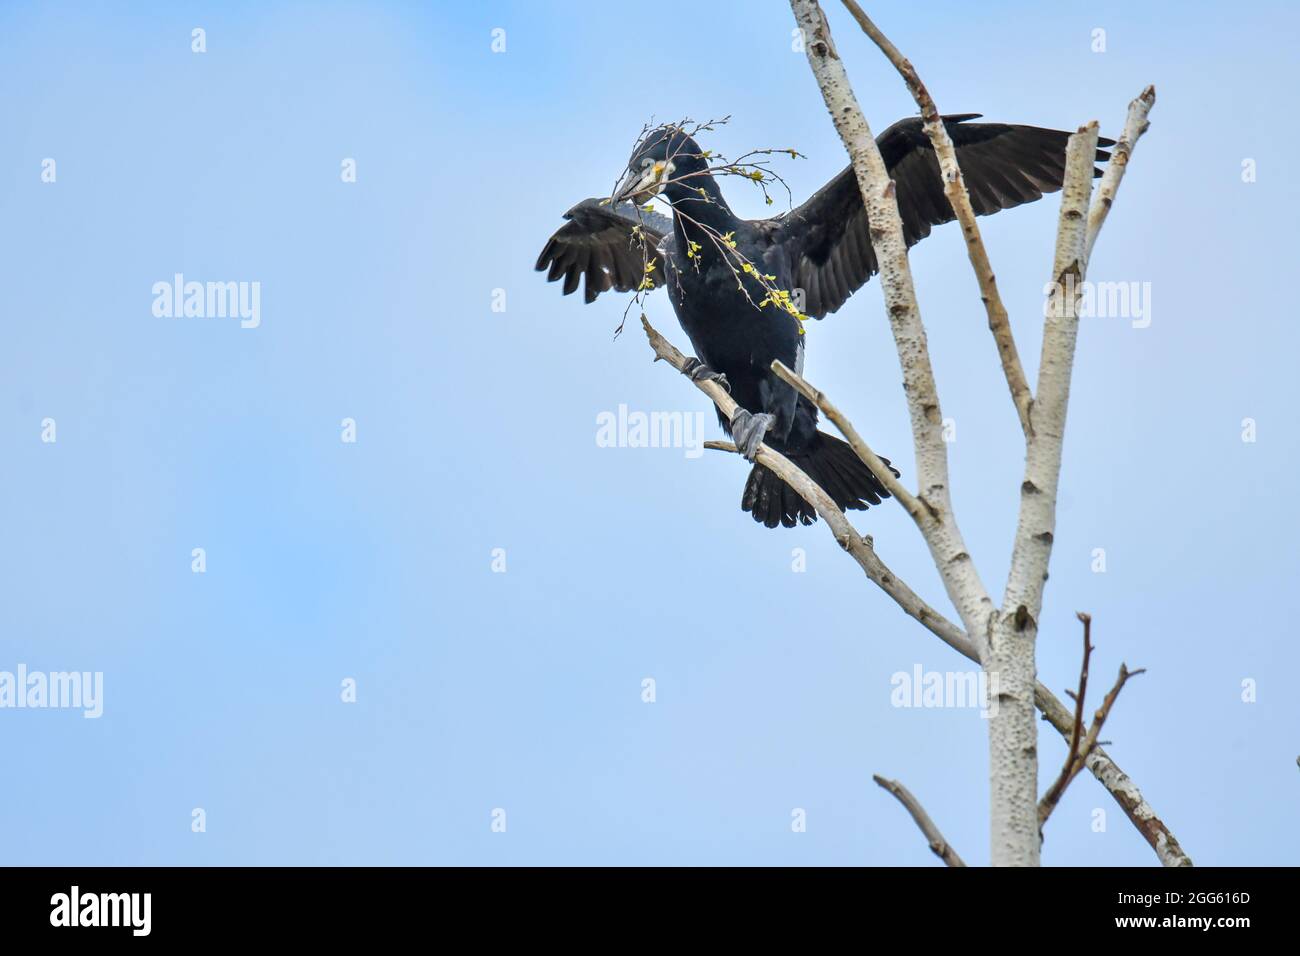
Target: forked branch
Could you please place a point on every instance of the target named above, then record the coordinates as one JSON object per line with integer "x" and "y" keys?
{"x": 1080, "y": 752}
{"x": 1120, "y": 786}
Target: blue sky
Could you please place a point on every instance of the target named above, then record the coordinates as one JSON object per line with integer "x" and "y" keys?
{"x": 372, "y": 560}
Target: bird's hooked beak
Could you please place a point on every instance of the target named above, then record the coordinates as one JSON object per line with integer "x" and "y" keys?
{"x": 641, "y": 185}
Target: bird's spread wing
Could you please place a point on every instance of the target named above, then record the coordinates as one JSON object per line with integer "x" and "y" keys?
{"x": 609, "y": 244}
{"x": 1003, "y": 166}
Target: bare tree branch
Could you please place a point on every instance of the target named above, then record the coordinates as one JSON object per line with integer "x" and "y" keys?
{"x": 1120, "y": 785}
{"x": 1099, "y": 763}
{"x": 984, "y": 628}
{"x": 1107, "y": 772}
{"x": 944, "y": 538}
{"x": 954, "y": 187}
{"x": 1073, "y": 759}
{"x": 1037, "y": 521}
{"x": 848, "y": 538}
{"x": 1077, "y": 758}
{"x": 941, "y": 847}
{"x": 1006, "y": 637}
{"x": 1013, "y": 734}
{"x": 1135, "y": 125}
{"x": 911, "y": 504}
{"x": 1099, "y": 718}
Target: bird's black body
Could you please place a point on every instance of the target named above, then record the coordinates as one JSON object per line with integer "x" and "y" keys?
{"x": 821, "y": 252}
{"x": 732, "y": 337}
{"x": 729, "y": 335}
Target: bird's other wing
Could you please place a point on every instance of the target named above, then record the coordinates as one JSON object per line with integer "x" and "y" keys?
{"x": 1003, "y": 166}
{"x": 609, "y": 244}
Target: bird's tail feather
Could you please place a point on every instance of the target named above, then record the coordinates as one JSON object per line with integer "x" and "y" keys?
{"x": 831, "y": 463}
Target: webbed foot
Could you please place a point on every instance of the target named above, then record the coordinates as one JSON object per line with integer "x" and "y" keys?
{"x": 697, "y": 371}
{"x": 747, "y": 430}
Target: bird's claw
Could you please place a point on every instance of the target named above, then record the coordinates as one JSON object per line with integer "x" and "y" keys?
{"x": 697, "y": 371}
{"x": 748, "y": 430}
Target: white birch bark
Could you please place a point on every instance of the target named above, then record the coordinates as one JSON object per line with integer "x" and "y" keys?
{"x": 954, "y": 188}
{"x": 1004, "y": 639}
{"x": 1013, "y": 731}
{"x": 936, "y": 521}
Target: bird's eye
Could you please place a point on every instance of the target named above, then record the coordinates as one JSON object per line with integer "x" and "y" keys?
{"x": 646, "y": 162}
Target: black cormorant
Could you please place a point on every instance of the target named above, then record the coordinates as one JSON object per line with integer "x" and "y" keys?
{"x": 741, "y": 288}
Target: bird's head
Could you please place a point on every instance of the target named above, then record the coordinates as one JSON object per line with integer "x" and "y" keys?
{"x": 664, "y": 158}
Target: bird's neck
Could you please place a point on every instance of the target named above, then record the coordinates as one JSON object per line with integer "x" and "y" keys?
{"x": 698, "y": 207}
